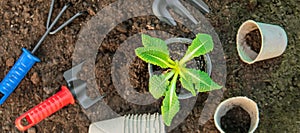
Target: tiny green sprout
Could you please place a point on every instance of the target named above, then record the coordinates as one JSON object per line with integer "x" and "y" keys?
{"x": 155, "y": 51}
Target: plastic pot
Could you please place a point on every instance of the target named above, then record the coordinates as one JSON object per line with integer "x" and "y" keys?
{"x": 143, "y": 123}
{"x": 184, "y": 95}
{"x": 247, "y": 104}
{"x": 273, "y": 41}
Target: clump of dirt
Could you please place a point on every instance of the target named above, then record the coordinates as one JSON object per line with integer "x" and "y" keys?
{"x": 236, "y": 120}
{"x": 10, "y": 62}
{"x": 253, "y": 39}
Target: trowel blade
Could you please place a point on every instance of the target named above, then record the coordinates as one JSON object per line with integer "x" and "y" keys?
{"x": 71, "y": 74}
{"x": 79, "y": 87}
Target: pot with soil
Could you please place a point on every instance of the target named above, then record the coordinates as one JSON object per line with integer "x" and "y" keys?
{"x": 238, "y": 115}
{"x": 177, "y": 48}
{"x": 259, "y": 41}
{"x": 177, "y": 67}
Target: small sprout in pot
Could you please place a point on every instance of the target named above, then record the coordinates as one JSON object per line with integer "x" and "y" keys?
{"x": 155, "y": 51}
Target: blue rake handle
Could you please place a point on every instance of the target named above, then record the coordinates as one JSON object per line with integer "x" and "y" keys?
{"x": 16, "y": 74}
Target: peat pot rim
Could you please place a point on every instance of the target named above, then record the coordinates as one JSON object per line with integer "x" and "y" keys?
{"x": 247, "y": 104}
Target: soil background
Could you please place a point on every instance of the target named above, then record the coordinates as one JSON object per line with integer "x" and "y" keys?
{"x": 274, "y": 84}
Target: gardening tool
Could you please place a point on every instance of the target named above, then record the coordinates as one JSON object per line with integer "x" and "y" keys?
{"x": 27, "y": 59}
{"x": 144, "y": 123}
{"x": 76, "y": 89}
{"x": 160, "y": 10}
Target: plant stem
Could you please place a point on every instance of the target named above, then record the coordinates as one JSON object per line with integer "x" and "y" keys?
{"x": 171, "y": 61}
{"x": 170, "y": 74}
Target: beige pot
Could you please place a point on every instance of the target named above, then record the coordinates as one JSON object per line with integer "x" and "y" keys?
{"x": 247, "y": 104}
{"x": 273, "y": 41}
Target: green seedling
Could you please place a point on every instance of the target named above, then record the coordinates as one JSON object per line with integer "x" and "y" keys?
{"x": 155, "y": 51}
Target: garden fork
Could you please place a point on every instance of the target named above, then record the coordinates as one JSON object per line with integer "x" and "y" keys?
{"x": 160, "y": 10}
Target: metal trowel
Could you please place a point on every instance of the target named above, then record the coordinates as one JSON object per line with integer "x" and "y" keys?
{"x": 75, "y": 89}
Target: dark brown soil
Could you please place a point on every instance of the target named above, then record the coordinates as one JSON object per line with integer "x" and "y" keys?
{"x": 236, "y": 120}
{"x": 253, "y": 39}
{"x": 273, "y": 84}
{"x": 139, "y": 75}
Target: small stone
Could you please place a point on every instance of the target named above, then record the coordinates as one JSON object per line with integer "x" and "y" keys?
{"x": 298, "y": 84}
{"x": 91, "y": 12}
{"x": 35, "y": 79}
{"x": 150, "y": 27}
{"x": 252, "y": 4}
{"x": 184, "y": 128}
{"x": 31, "y": 130}
{"x": 10, "y": 62}
{"x": 121, "y": 29}
{"x": 226, "y": 12}
{"x": 84, "y": 4}
{"x": 293, "y": 62}
{"x": 2, "y": 49}
{"x": 47, "y": 90}
{"x": 123, "y": 37}
{"x": 6, "y": 128}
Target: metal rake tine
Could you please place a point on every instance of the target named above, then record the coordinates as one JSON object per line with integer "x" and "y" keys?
{"x": 181, "y": 10}
{"x": 67, "y": 22}
{"x": 50, "y": 14}
{"x": 201, "y": 4}
{"x": 160, "y": 10}
{"x": 51, "y": 26}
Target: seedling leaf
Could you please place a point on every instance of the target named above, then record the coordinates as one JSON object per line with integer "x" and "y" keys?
{"x": 158, "y": 84}
{"x": 170, "y": 105}
{"x": 156, "y": 43}
{"x": 201, "y": 80}
{"x": 201, "y": 45}
{"x": 154, "y": 56}
{"x": 187, "y": 84}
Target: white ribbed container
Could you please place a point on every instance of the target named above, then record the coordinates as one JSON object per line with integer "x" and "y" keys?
{"x": 273, "y": 41}
{"x": 144, "y": 123}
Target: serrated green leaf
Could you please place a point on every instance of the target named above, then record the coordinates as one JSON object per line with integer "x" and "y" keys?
{"x": 171, "y": 104}
{"x": 168, "y": 112}
{"x": 155, "y": 43}
{"x": 154, "y": 56}
{"x": 158, "y": 84}
{"x": 201, "y": 80}
{"x": 187, "y": 84}
{"x": 201, "y": 45}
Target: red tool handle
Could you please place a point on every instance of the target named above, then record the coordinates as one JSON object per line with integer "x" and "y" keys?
{"x": 62, "y": 98}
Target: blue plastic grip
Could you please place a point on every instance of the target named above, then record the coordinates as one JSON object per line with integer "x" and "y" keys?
{"x": 16, "y": 74}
